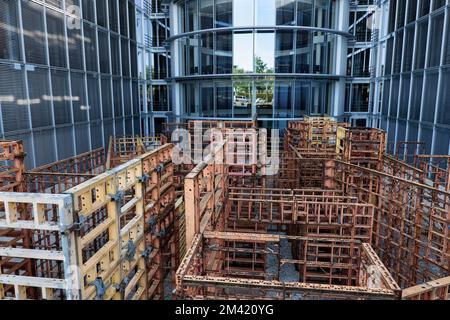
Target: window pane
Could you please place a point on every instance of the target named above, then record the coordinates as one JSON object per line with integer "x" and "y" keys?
{"x": 223, "y": 54}
{"x": 104, "y": 56}
{"x": 444, "y": 107}
{"x": 243, "y": 13}
{"x": 206, "y": 14}
{"x": 9, "y": 35}
{"x": 284, "y": 52}
{"x": 431, "y": 83}
{"x": 39, "y": 92}
{"x": 421, "y": 45}
{"x": 106, "y": 97}
{"x": 90, "y": 47}
{"x": 224, "y": 99}
{"x": 303, "y": 52}
{"x": 13, "y": 99}
{"x": 302, "y": 98}
{"x": 207, "y": 98}
{"x": 265, "y": 13}
{"x": 207, "y": 52}
{"x": 102, "y": 13}
{"x": 436, "y": 33}
{"x": 264, "y": 52}
{"x": 322, "y": 13}
{"x": 61, "y": 103}
{"x": 285, "y": 12}
{"x": 242, "y": 59}
{"x": 56, "y": 38}
{"x": 192, "y": 21}
{"x": 115, "y": 55}
{"x": 94, "y": 97}
{"x": 33, "y": 26}
{"x": 242, "y": 99}
{"x": 264, "y": 98}
{"x": 224, "y": 15}
{"x": 416, "y": 97}
{"x": 117, "y": 93}
{"x": 88, "y": 10}
{"x": 283, "y": 102}
{"x": 304, "y": 12}
{"x": 113, "y": 18}
{"x": 78, "y": 97}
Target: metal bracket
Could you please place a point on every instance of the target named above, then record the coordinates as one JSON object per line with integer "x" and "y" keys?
{"x": 161, "y": 234}
{"x": 147, "y": 252}
{"x": 151, "y": 221}
{"x": 116, "y": 197}
{"x": 131, "y": 250}
{"x": 144, "y": 178}
{"x": 76, "y": 226}
{"x": 122, "y": 285}
{"x": 100, "y": 288}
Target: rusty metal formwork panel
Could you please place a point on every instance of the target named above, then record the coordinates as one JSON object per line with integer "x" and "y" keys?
{"x": 205, "y": 190}
{"x": 100, "y": 224}
{"x": 314, "y": 136}
{"x": 122, "y": 149}
{"x": 236, "y": 269}
{"x": 55, "y": 273}
{"x": 309, "y": 212}
{"x": 362, "y": 146}
{"x": 12, "y": 166}
{"x": 436, "y": 168}
{"x": 110, "y": 234}
{"x": 161, "y": 228}
{"x": 411, "y": 221}
{"x": 62, "y": 175}
{"x": 12, "y": 179}
{"x": 433, "y": 290}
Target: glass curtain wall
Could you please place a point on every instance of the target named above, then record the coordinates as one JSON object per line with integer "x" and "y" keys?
{"x": 67, "y": 78}
{"x": 256, "y": 57}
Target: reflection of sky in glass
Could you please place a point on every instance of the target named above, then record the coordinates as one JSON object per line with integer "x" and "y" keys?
{"x": 265, "y": 13}
{"x": 243, "y": 51}
{"x": 242, "y": 13}
{"x": 265, "y": 48}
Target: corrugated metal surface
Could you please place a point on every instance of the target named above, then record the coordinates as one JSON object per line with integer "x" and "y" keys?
{"x": 106, "y": 97}
{"x": 40, "y": 100}
{"x": 9, "y": 38}
{"x": 82, "y": 138}
{"x": 64, "y": 137}
{"x": 96, "y": 135}
{"x": 13, "y": 98}
{"x": 33, "y": 26}
{"x": 78, "y": 97}
{"x": 94, "y": 97}
{"x": 108, "y": 131}
{"x": 45, "y": 154}
{"x": 56, "y": 38}
{"x": 61, "y": 96}
{"x": 117, "y": 88}
{"x": 128, "y": 126}
{"x": 127, "y": 97}
{"x": 119, "y": 128}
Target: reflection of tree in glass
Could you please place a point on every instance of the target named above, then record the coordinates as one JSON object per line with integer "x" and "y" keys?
{"x": 261, "y": 66}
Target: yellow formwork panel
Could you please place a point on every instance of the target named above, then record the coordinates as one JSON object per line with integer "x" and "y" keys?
{"x": 340, "y": 141}
{"x": 118, "y": 193}
{"x": 99, "y": 226}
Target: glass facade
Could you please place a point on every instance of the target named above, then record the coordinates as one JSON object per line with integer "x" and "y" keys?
{"x": 410, "y": 88}
{"x": 272, "y": 58}
{"x": 68, "y": 75}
